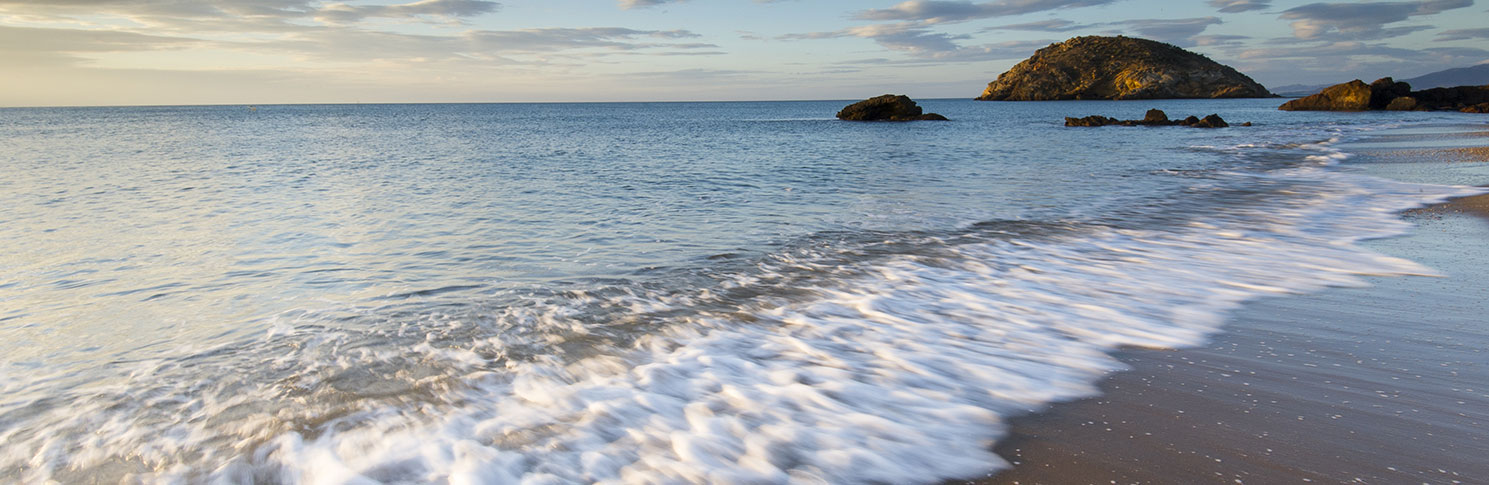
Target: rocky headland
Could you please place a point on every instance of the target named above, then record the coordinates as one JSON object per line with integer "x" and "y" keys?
{"x": 1096, "y": 67}
{"x": 1391, "y": 95}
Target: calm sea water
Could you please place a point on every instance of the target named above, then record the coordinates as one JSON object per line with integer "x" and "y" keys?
{"x": 696, "y": 292}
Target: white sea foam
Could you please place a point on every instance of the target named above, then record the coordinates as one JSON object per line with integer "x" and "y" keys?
{"x": 901, "y": 371}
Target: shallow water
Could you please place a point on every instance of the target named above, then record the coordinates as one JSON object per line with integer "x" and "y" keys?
{"x": 704, "y": 292}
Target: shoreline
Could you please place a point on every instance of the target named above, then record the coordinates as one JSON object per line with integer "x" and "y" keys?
{"x": 1381, "y": 384}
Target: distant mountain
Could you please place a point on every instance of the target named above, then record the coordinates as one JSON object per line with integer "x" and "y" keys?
{"x": 1299, "y": 89}
{"x": 1463, "y": 76}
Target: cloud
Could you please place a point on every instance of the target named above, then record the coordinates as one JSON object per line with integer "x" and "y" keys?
{"x": 243, "y": 12}
{"x": 1362, "y": 21}
{"x": 1238, "y": 6}
{"x": 925, "y": 45}
{"x": 1054, "y": 25}
{"x": 1334, "y": 62}
{"x": 941, "y": 11}
{"x": 30, "y": 47}
{"x": 557, "y": 39}
{"x": 482, "y": 47}
{"x": 80, "y": 40}
{"x": 287, "y": 32}
{"x": 696, "y": 74}
{"x": 1178, "y": 31}
{"x": 238, "y": 16}
{"x": 1219, "y": 40}
{"x": 449, "y": 9}
{"x": 630, "y": 4}
{"x": 1463, "y": 34}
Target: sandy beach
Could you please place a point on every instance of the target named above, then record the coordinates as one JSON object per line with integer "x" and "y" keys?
{"x": 1385, "y": 384}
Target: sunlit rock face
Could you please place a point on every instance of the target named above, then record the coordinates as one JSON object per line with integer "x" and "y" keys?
{"x": 1096, "y": 67}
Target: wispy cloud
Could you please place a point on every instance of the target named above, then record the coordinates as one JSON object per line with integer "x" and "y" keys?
{"x": 1220, "y": 40}
{"x": 1363, "y": 21}
{"x": 940, "y": 11}
{"x": 308, "y": 30}
{"x": 1333, "y": 62}
{"x": 1463, "y": 34}
{"x": 244, "y": 16}
{"x": 1238, "y": 6}
{"x": 1177, "y": 31}
{"x": 630, "y": 4}
{"x": 446, "y": 9}
{"x": 25, "y": 46}
{"x": 923, "y": 44}
{"x": 1053, "y": 25}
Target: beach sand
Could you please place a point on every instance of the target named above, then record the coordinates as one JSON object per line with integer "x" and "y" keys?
{"x": 1386, "y": 384}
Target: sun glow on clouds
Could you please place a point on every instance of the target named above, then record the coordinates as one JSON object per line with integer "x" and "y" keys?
{"x": 263, "y": 51}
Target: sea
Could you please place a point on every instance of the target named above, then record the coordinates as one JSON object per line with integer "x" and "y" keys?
{"x": 735, "y": 292}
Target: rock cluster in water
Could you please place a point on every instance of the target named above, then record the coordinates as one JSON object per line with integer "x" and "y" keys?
{"x": 888, "y": 107}
{"x": 1155, "y": 117}
{"x": 1096, "y": 67}
{"x": 1391, "y": 95}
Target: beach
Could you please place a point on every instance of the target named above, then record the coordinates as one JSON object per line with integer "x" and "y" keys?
{"x": 1378, "y": 384}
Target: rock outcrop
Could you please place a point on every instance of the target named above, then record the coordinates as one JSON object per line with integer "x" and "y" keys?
{"x": 1461, "y": 98}
{"x": 1388, "y": 94}
{"x": 1096, "y": 67}
{"x": 888, "y": 107}
{"x": 1352, "y": 96}
{"x": 1154, "y": 117}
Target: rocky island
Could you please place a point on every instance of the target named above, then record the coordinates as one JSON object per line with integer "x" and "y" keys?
{"x": 1097, "y": 67}
{"x": 889, "y": 107}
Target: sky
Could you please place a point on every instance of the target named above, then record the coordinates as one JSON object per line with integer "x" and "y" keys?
{"x": 167, "y": 52}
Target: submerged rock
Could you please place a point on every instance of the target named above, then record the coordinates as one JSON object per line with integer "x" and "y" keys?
{"x": 888, "y": 107}
{"x": 1096, "y": 67}
{"x": 1154, "y": 117}
{"x": 1387, "y": 94}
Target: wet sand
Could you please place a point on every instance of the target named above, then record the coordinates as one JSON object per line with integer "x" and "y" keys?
{"x": 1386, "y": 384}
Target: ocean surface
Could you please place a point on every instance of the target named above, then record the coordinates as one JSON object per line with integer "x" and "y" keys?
{"x": 632, "y": 292}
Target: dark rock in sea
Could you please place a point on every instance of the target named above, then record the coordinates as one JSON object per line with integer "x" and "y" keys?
{"x": 1386, "y": 94}
{"x": 1212, "y": 121}
{"x": 1154, "y": 117}
{"x": 888, "y": 107}
{"x": 1093, "y": 120}
{"x": 1455, "y": 98}
{"x": 1096, "y": 67}
{"x": 1478, "y": 108}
